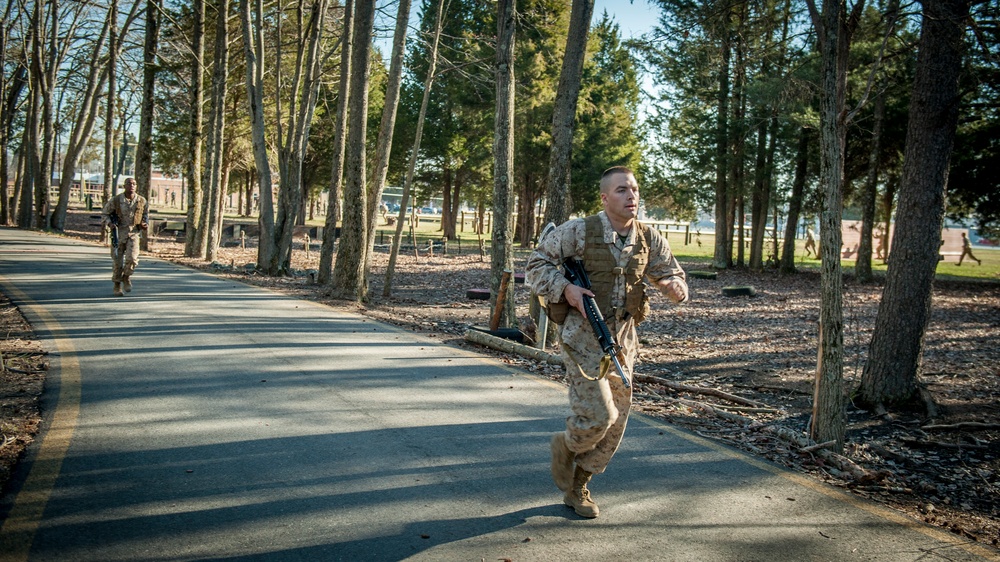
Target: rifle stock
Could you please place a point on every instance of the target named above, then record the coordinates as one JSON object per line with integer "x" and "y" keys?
{"x": 576, "y": 274}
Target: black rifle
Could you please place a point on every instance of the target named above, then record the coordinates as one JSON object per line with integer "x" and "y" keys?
{"x": 577, "y": 275}
{"x": 113, "y": 220}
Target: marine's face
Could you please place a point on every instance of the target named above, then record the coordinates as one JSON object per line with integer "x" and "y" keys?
{"x": 620, "y": 196}
{"x": 129, "y": 188}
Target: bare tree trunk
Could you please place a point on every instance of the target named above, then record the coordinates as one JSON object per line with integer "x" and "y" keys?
{"x": 10, "y": 92}
{"x": 503, "y": 159}
{"x": 348, "y": 275}
{"x": 83, "y": 125}
{"x": 4, "y": 129}
{"x": 45, "y": 65}
{"x": 722, "y": 256}
{"x": 758, "y": 200}
{"x": 769, "y": 187}
{"x": 770, "y": 200}
{"x": 888, "y": 199}
{"x": 201, "y": 232}
{"x": 740, "y": 219}
{"x": 457, "y": 184}
{"x": 334, "y": 209}
{"x": 109, "y": 115}
{"x": 144, "y": 147}
{"x": 863, "y": 261}
{"x": 408, "y": 182}
{"x": 227, "y": 167}
{"x": 282, "y": 204}
{"x": 15, "y": 196}
{"x": 123, "y": 127}
{"x": 253, "y": 43}
{"x": 889, "y": 377}
{"x": 196, "y": 140}
{"x": 29, "y": 175}
{"x": 564, "y": 112}
{"x": 738, "y": 126}
{"x": 384, "y": 146}
{"x": 795, "y": 203}
{"x": 212, "y": 223}
{"x": 304, "y": 91}
{"x": 834, "y": 31}
{"x": 829, "y": 421}
{"x": 447, "y": 208}
{"x": 248, "y": 192}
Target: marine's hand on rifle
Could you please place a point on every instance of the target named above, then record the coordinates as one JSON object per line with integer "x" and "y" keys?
{"x": 574, "y": 297}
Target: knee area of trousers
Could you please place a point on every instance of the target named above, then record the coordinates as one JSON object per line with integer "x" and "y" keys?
{"x": 606, "y": 417}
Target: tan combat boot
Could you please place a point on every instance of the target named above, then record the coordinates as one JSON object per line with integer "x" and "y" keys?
{"x": 126, "y": 284}
{"x": 118, "y": 289}
{"x": 578, "y": 497}
{"x": 562, "y": 462}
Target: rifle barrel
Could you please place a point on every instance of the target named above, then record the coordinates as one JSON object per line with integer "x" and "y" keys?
{"x": 577, "y": 275}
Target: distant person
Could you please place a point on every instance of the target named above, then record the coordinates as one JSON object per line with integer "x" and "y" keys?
{"x": 967, "y": 251}
{"x": 126, "y": 214}
{"x": 384, "y": 210}
{"x": 880, "y": 249}
{"x": 619, "y": 253}
{"x": 811, "y": 243}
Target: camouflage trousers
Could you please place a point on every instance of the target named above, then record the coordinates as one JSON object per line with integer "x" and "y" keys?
{"x": 599, "y": 400}
{"x": 125, "y": 257}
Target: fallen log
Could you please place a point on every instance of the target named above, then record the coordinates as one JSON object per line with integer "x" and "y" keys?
{"x": 707, "y": 408}
{"x": 483, "y": 338}
{"x": 960, "y": 426}
{"x": 776, "y": 388}
{"x": 700, "y": 390}
{"x": 751, "y": 410}
{"x": 930, "y": 444}
{"x": 890, "y": 489}
{"x": 848, "y": 468}
{"x": 818, "y": 446}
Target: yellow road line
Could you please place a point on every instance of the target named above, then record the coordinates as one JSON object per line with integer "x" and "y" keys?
{"x": 25, "y": 516}
{"x": 973, "y": 548}
{"x": 830, "y": 491}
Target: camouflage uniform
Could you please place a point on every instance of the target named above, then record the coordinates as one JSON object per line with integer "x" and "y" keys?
{"x": 129, "y": 215}
{"x": 600, "y": 403}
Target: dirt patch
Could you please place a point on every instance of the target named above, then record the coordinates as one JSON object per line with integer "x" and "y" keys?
{"x": 761, "y": 351}
{"x": 23, "y": 365}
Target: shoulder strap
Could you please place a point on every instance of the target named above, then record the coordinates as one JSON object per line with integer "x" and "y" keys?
{"x": 642, "y": 234}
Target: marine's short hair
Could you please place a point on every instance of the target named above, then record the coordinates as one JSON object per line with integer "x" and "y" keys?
{"x": 617, "y": 170}
{"x": 610, "y": 172}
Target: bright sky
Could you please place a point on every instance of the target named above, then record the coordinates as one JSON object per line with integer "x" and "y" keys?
{"x": 634, "y": 17}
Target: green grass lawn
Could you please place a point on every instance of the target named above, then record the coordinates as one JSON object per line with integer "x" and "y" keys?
{"x": 701, "y": 247}
{"x": 947, "y": 268}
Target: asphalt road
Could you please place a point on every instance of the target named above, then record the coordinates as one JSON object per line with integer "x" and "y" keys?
{"x": 203, "y": 419}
